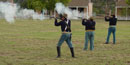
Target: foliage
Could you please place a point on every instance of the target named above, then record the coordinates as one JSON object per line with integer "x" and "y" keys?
{"x": 50, "y": 5}
{"x": 33, "y": 4}
{"x": 65, "y": 2}
{"x": 128, "y": 12}
{"x": 123, "y": 12}
{"x": 40, "y": 4}
{"x": 128, "y": 2}
{"x": 103, "y": 6}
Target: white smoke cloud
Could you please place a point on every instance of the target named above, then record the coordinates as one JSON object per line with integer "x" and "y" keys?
{"x": 29, "y": 14}
{"x": 25, "y": 13}
{"x": 8, "y": 10}
{"x": 38, "y": 16}
{"x": 68, "y": 12}
{"x": 11, "y": 11}
{"x": 72, "y": 14}
{"x": 61, "y": 9}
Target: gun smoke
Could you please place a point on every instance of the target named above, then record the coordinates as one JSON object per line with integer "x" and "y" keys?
{"x": 72, "y": 14}
{"x": 10, "y": 11}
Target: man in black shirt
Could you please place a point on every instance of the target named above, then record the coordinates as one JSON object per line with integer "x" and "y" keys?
{"x": 89, "y": 34}
{"x": 66, "y": 34}
{"x": 112, "y": 27}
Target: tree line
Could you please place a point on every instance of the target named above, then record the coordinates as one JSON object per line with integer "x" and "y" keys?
{"x": 100, "y": 6}
{"x": 103, "y": 6}
{"x": 40, "y": 4}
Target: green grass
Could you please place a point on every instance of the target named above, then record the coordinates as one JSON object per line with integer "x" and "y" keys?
{"x": 33, "y": 42}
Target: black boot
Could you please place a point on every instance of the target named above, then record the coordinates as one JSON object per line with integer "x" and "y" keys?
{"x": 72, "y": 52}
{"x": 58, "y": 52}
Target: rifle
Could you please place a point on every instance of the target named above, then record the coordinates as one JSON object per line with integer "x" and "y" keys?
{"x": 57, "y": 17}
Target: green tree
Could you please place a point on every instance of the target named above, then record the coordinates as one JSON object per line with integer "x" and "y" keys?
{"x": 65, "y": 2}
{"x": 128, "y": 2}
{"x": 50, "y": 4}
{"x": 40, "y": 4}
{"x": 26, "y": 4}
{"x": 103, "y": 6}
{"x": 33, "y": 4}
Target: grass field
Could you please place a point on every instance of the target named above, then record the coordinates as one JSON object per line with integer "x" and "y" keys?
{"x": 33, "y": 42}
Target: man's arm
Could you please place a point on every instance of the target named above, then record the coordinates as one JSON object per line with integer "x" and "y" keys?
{"x": 70, "y": 25}
{"x": 107, "y": 18}
{"x": 84, "y": 21}
{"x": 94, "y": 24}
{"x": 57, "y": 23}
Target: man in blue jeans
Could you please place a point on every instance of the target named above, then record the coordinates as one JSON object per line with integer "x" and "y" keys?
{"x": 89, "y": 34}
{"x": 66, "y": 34}
{"x": 112, "y": 28}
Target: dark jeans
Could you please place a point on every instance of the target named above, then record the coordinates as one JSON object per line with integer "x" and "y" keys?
{"x": 111, "y": 30}
{"x": 89, "y": 36}
{"x": 65, "y": 37}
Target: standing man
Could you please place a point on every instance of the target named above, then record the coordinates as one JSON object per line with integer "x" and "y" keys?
{"x": 112, "y": 27}
{"x": 66, "y": 34}
{"x": 89, "y": 34}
